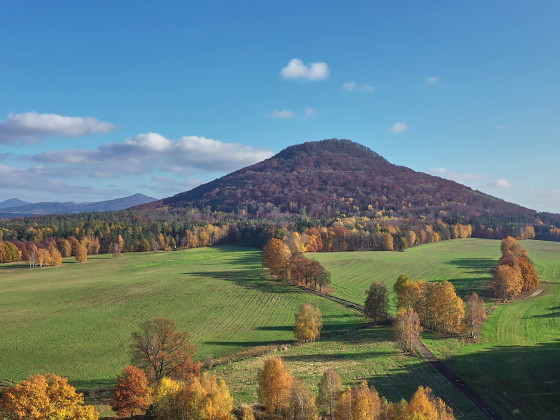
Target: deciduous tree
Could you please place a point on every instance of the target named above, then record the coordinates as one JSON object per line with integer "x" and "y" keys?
{"x": 302, "y": 402}
{"x": 507, "y": 282}
{"x": 376, "y": 303}
{"x": 425, "y": 405}
{"x": 531, "y": 279}
{"x": 276, "y": 257}
{"x": 475, "y": 314}
{"x": 45, "y": 397}
{"x": 132, "y": 392}
{"x": 407, "y": 329}
{"x": 160, "y": 349}
{"x": 275, "y": 382}
{"x": 308, "y": 323}
{"x": 81, "y": 253}
{"x": 329, "y": 389}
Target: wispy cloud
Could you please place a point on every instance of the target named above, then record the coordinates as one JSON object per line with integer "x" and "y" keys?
{"x": 170, "y": 185}
{"x": 36, "y": 184}
{"x": 297, "y": 70}
{"x": 310, "y": 112}
{"x": 472, "y": 180}
{"x": 32, "y": 127}
{"x": 352, "y": 86}
{"x": 145, "y": 153}
{"x": 284, "y": 113}
{"x": 399, "y": 127}
{"x": 430, "y": 81}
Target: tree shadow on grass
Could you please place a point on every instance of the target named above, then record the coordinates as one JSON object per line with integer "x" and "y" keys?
{"x": 475, "y": 265}
{"x": 551, "y": 314}
{"x": 249, "y": 344}
{"x": 481, "y": 285}
{"x": 522, "y": 381}
{"x": 248, "y": 279}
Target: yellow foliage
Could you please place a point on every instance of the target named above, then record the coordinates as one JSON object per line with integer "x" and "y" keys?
{"x": 46, "y": 397}
{"x": 308, "y": 323}
{"x": 275, "y": 381}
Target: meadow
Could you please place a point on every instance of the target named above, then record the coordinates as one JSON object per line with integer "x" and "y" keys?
{"x": 76, "y": 320}
{"x": 366, "y": 354}
{"x": 516, "y": 366}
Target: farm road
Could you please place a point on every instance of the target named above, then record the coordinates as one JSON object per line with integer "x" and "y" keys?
{"x": 438, "y": 364}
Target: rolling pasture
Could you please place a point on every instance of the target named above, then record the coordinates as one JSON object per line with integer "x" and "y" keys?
{"x": 76, "y": 320}
{"x": 367, "y": 354}
{"x": 516, "y": 366}
{"x": 465, "y": 262}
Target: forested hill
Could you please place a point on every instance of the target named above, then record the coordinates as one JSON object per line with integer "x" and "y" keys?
{"x": 330, "y": 177}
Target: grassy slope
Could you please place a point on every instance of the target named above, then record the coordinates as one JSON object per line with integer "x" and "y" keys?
{"x": 517, "y": 366}
{"x": 464, "y": 262}
{"x": 365, "y": 354}
{"x": 76, "y": 320}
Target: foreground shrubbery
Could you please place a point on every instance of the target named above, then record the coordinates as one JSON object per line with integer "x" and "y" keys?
{"x": 45, "y": 397}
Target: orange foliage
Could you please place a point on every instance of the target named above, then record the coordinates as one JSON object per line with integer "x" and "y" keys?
{"x": 275, "y": 381}
{"x": 162, "y": 350}
{"x": 46, "y": 397}
{"x": 131, "y": 392}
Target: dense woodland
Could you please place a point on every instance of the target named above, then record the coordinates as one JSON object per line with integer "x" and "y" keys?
{"x": 336, "y": 194}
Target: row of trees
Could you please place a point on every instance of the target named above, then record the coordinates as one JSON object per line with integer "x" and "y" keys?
{"x": 372, "y": 236}
{"x": 294, "y": 267}
{"x": 290, "y": 398}
{"x": 515, "y": 273}
{"x": 436, "y": 305}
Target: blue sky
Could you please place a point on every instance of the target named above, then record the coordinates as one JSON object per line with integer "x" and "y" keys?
{"x": 103, "y": 99}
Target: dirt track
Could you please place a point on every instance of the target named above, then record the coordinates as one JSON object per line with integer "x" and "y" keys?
{"x": 438, "y": 364}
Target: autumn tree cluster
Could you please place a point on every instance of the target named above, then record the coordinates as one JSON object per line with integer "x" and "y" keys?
{"x": 45, "y": 397}
{"x": 289, "y": 398}
{"x": 438, "y": 307}
{"x": 293, "y": 267}
{"x": 515, "y": 273}
{"x": 166, "y": 380}
{"x": 364, "y": 234}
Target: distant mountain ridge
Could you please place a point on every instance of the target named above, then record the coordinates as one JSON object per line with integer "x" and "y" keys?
{"x": 28, "y": 209}
{"x": 13, "y": 202}
{"x": 337, "y": 177}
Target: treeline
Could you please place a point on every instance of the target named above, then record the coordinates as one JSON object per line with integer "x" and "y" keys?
{"x": 515, "y": 273}
{"x": 294, "y": 267}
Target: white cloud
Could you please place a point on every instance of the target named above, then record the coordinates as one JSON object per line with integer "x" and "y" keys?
{"x": 151, "y": 151}
{"x": 399, "y": 127}
{"x": 32, "y": 127}
{"x": 430, "y": 81}
{"x": 500, "y": 126}
{"x": 367, "y": 88}
{"x": 351, "y": 86}
{"x": 472, "y": 180}
{"x": 296, "y": 69}
{"x": 285, "y": 113}
{"x": 310, "y": 112}
{"x": 171, "y": 185}
{"x": 35, "y": 185}
{"x": 498, "y": 183}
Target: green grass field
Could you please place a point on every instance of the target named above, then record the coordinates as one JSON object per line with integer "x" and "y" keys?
{"x": 76, "y": 320}
{"x": 368, "y": 354}
{"x": 517, "y": 365}
{"x": 464, "y": 262}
